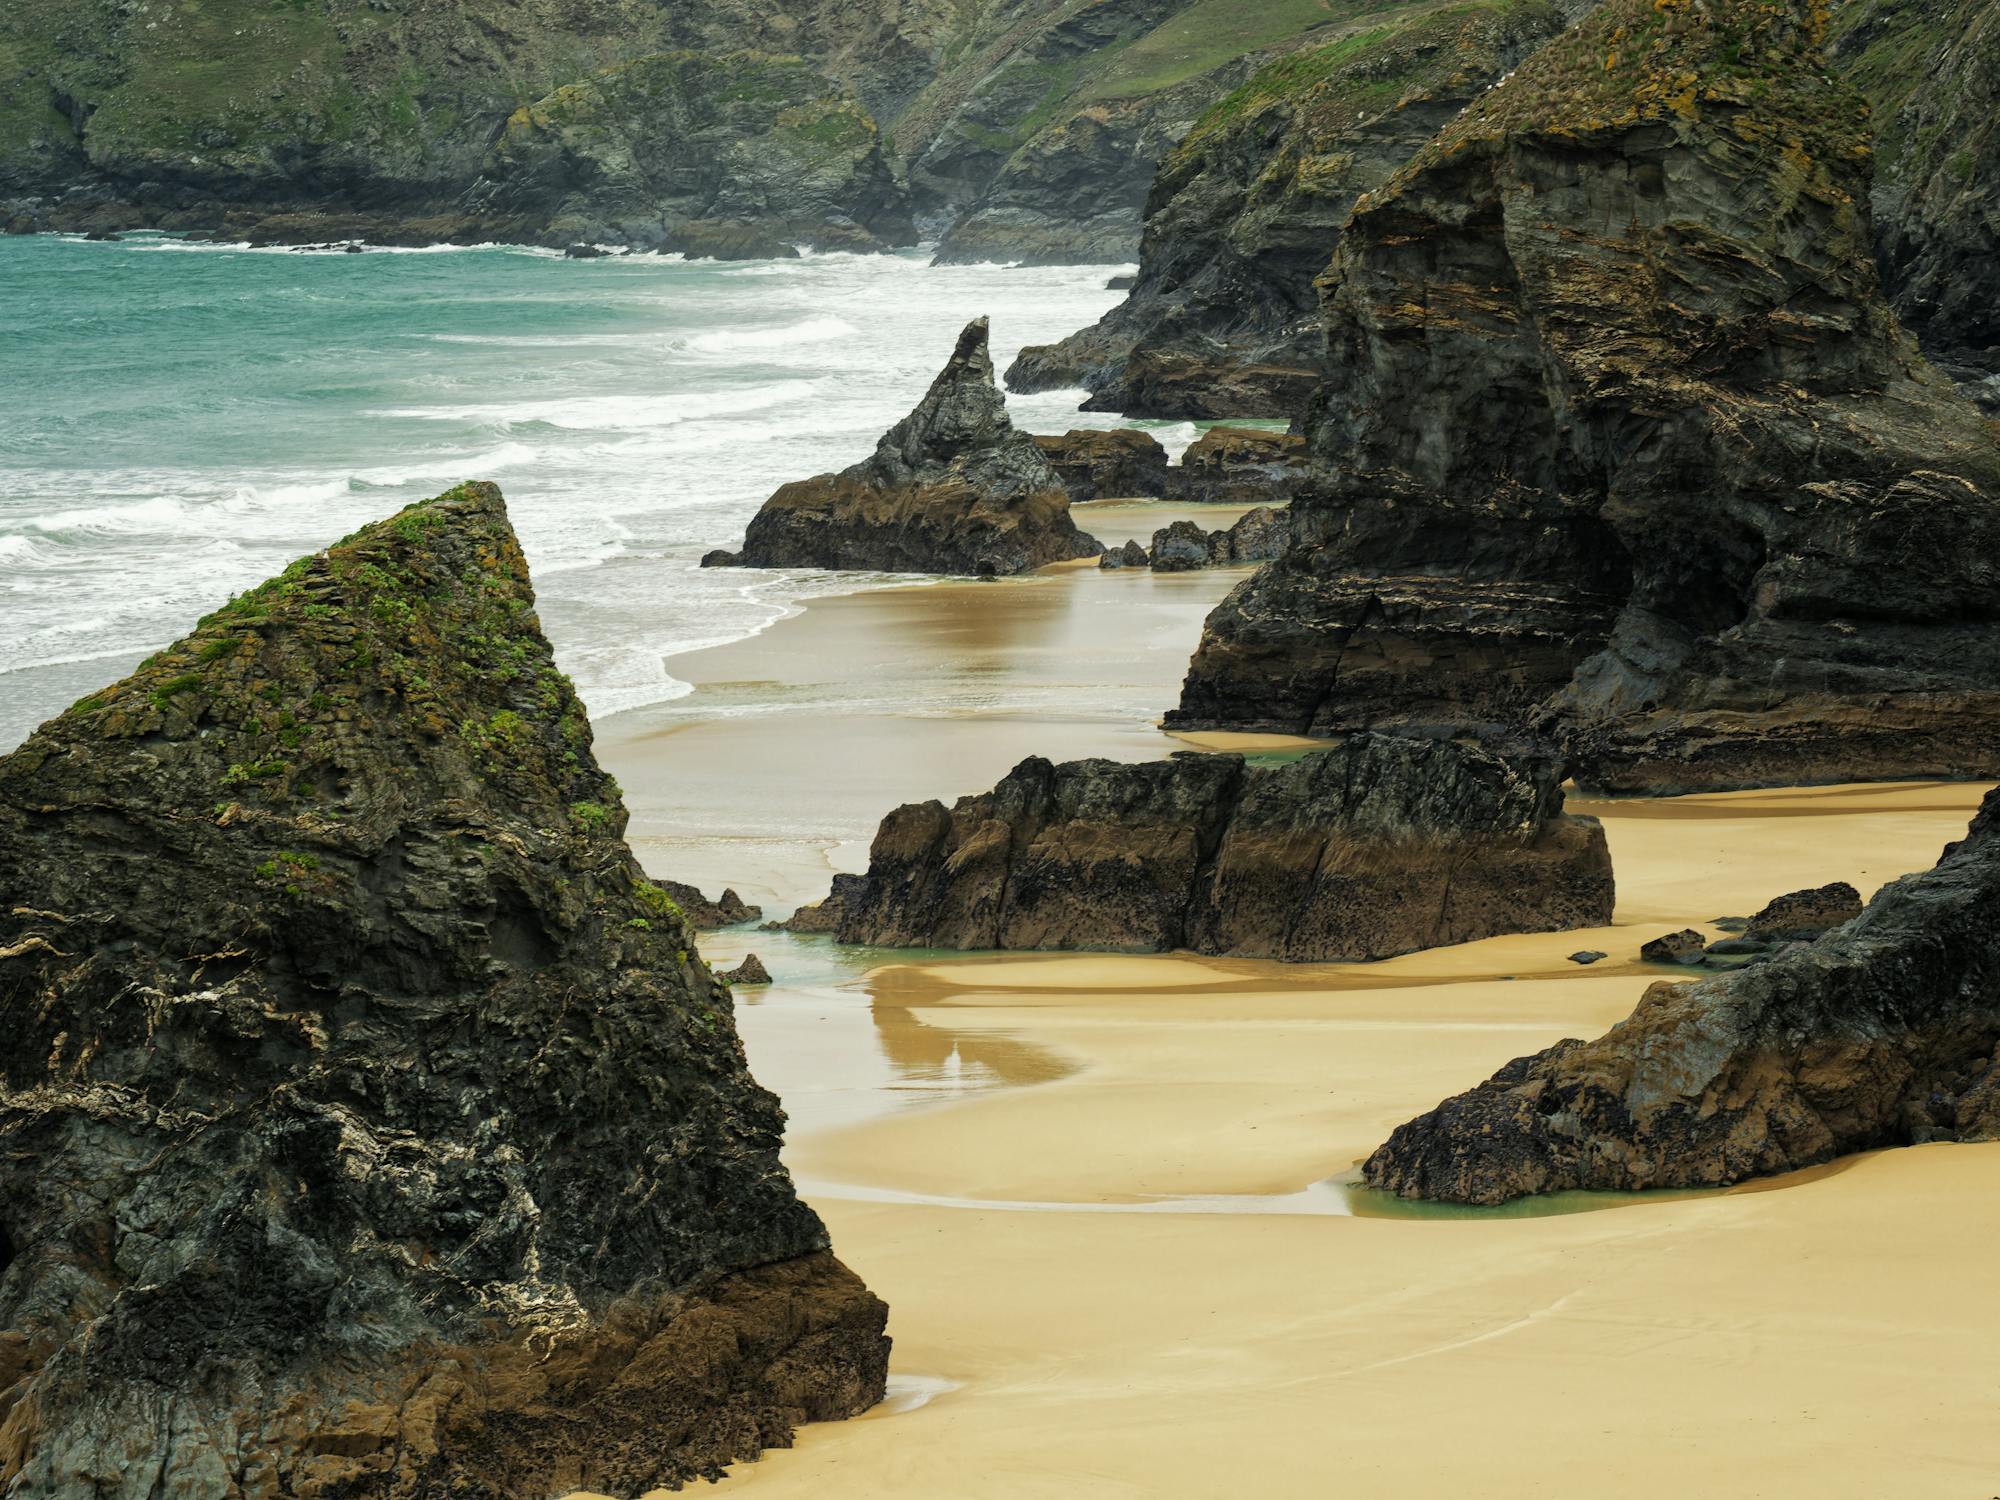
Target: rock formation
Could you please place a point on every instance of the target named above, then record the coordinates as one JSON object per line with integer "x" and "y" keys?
{"x": 952, "y": 488}
{"x": 826, "y": 914}
{"x": 1131, "y": 555}
{"x": 1884, "y": 1032}
{"x": 1620, "y": 443}
{"x": 1257, "y": 536}
{"x": 1376, "y": 847}
{"x": 1123, "y": 463}
{"x": 750, "y": 971}
{"x": 1805, "y": 915}
{"x": 1223, "y": 321}
{"x": 726, "y": 910}
{"x": 369, "y": 1125}
{"x": 1240, "y": 463}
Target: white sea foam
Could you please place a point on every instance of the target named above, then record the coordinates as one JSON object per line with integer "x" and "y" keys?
{"x": 606, "y": 412}
{"x": 731, "y": 340}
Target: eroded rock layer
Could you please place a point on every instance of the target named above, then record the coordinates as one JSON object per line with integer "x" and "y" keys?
{"x": 952, "y": 488}
{"x": 369, "y": 1125}
{"x": 1620, "y": 442}
{"x": 1376, "y": 847}
{"x": 1884, "y": 1032}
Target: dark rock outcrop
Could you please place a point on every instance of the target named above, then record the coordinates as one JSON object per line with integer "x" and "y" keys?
{"x": 1805, "y": 915}
{"x": 726, "y": 910}
{"x": 1376, "y": 847}
{"x": 1240, "y": 463}
{"x": 322, "y": 958}
{"x": 1883, "y": 1033}
{"x": 750, "y": 971}
{"x": 952, "y": 488}
{"x": 1685, "y": 947}
{"x": 1620, "y": 443}
{"x": 1123, "y": 463}
{"x": 1257, "y": 536}
{"x": 1223, "y": 321}
{"x": 826, "y": 914}
{"x": 1931, "y": 74}
{"x": 1131, "y": 555}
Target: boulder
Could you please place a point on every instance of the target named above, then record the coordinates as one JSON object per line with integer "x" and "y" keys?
{"x": 1179, "y": 548}
{"x": 1376, "y": 847}
{"x": 1804, "y": 915}
{"x": 1884, "y": 1032}
{"x": 1588, "y": 956}
{"x": 1099, "y": 465}
{"x": 1131, "y": 555}
{"x": 952, "y": 488}
{"x": 1685, "y": 947}
{"x": 1240, "y": 463}
{"x": 321, "y": 954}
{"x": 750, "y": 971}
{"x": 1731, "y": 537}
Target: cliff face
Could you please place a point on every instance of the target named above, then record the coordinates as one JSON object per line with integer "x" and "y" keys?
{"x": 1377, "y": 847}
{"x": 1620, "y": 441}
{"x": 1931, "y": 75}
{"x": 952, "y": 488}
{"x": 1224, "y": 320}
{"x": 323, "y": 954}
{"x": 1884, "y": 1032}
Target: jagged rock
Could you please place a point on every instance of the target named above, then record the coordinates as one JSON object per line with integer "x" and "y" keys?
{"x": 1885, "y": 1032}
{"x": 1677, "y": 492}
{"x": 1223, "y": 320}
{"x": 1806, "y": 914}
{"x": 725, "y": 910}
{"x": 826, "y": 914}
{"x": 750, "y": 971}
{"x": 952, "y": 488}
{"x": 322, "y": 953}
{"x": 1097, "y": 465}
{"x": 1256, "y": 536}
{"x": 1684, "y": 947}
{"x": 1131, "y": 555}
{"x": 1373, "y": 848}
{"x": 1588, "y": 956}
{"x": 1240, "y": 463}
{"x": 1179, "y": 548}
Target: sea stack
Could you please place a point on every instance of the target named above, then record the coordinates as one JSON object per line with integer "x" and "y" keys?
{"x": 1620, "y": 443}
{"x": 952, "y": 488}
{"x": 1884, "y": 1032}
{"x": 369, "y": 1124}
{"x": 1375, "y": 847}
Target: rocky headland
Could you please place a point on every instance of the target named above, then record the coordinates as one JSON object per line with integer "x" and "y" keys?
{"x": 952, "y": 488}
{"x": 323, "y": 960}
{"x": 1881, "y": 1033}
{"x": 1678, "y": 493}
{"x": 1375, "y": 847}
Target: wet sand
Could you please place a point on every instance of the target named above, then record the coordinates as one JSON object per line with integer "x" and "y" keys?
{"x": 993, "y": 1140}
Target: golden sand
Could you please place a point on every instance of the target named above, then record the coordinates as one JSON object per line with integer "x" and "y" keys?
{"x": 1058, "y": 1334}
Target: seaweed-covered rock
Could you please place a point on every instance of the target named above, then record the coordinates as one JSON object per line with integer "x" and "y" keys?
{"x": 1885, "y": 1032}
{"x": 1099, "y": 465}
{"x": 1620, "y": 443}
{"x": 1804, "y": 915}
{"x": 952, "y": 488}
{"x": 1223, "y": 320}
{"x": 1376, "y": 847}
{"x": 321, "y": 954}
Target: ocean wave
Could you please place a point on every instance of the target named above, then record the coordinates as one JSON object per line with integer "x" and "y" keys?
{"x": 730, "y": 340}
{"x": 603, "y": 413}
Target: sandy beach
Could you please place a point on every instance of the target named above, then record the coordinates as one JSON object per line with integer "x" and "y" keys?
{"x": 1101, "y": 1193}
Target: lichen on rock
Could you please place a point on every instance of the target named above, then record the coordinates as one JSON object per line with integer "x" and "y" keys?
{"x": 369, "y": 1123}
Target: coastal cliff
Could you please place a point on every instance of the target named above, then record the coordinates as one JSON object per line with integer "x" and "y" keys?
{"x": 1224, "y": 320}
{"x": 322, "y": 956}
{"x": 1377, "y": 847}
{"x": 952, "y": 488}
{"x": 1884, "y": 1032}
{"x": 1619, "y": 442}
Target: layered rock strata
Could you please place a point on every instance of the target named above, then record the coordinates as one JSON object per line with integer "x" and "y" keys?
{"x": 1884, "y": 1032}
{"x": 1376, "y": 847}
{"x": 1621, "y": 444}
{"x": 952, "y": 488}
{"x": 323, "y": 963}
{"x": 1240, "y": 463}
{"x": 1123, "y": 463}
{"x": 1223, "y": 320}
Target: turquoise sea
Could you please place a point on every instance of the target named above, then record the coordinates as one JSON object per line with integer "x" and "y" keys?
{"x": 179, "y": 421}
